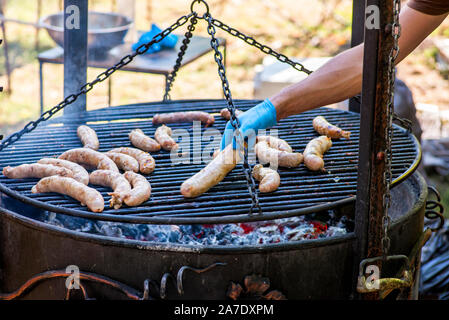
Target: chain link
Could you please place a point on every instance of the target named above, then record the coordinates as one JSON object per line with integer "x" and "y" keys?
{"x": 90, "y": 85}
{"x": 265, "y": 49}
{"x": 234, "y": 120}
{"x": 185, "y": 42}
{"x": 395, "y": 33}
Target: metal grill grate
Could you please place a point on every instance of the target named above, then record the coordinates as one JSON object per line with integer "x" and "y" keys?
{"x": 301, "y": 191}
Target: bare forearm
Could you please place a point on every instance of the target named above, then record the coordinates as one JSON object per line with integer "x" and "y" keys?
{"x": 337, "y": 80}
{"x": 341, "y": 77}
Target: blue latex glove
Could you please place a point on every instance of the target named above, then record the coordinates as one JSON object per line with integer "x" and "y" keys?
{"x": 261, "y": 116}
{"x": 168, "y": 42}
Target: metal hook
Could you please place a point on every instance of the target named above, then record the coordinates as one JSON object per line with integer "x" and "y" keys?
{"x": 200, "y": 1}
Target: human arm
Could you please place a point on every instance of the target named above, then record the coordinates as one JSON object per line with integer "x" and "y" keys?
{"x": 341, "y": 77}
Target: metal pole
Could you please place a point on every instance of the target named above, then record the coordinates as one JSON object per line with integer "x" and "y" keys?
{"x": 372, "y": 145}
{"x": 75, "y": 51}
{"x": 41, "y": 86}
{"x": 357, "y": 33}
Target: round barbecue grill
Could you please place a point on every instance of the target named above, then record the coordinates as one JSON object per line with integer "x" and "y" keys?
{"x": 301, "y": 190}
{"x": 319, "y": 268}
{"x": 301, "y": 269}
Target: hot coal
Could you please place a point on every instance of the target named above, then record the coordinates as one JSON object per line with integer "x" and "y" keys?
{"x": 312, "y": 226}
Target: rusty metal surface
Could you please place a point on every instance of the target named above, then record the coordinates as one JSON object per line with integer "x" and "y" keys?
{"x": 312, "y": 269}
{"x": 373, "y": 140}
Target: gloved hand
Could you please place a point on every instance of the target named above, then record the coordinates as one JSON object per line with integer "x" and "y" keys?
{"x": 261, "y": 116}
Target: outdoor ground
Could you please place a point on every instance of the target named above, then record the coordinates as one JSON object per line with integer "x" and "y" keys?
{"x": 297, "y": 28}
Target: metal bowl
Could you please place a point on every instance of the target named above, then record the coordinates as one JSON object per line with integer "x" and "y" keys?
{"x": 105, "y": 30}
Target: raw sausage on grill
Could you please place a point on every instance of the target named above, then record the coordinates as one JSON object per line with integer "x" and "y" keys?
{"x": 269, "y": 178}
{"x": 69, "y": 186}
{"x": 113, "y": 180}
{"x": 313, "y": 153}
{"x": 324, "y": 128}
{"x": 141, "y": 189}
{"x": 124, "y": 161}
{"x": 186, "y": 116}
{"x": 145, "y": 160}
{"x": 212, "y": 174}
{"x": 163, "y": 136}
{"x": 79, "y": 173}
{"x": 88, "y": 137}
{"x": 90, "y": 158}
{"x": 35, "y": 170}
{"x": 140, "y": 140}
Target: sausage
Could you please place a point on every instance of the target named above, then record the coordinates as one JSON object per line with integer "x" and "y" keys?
{"x": 145, "y": 160}
{"x": 143, "y": 142}
{"x": 269, "y": 178}
{"x": 324, "y": 128}
{"x": 90, "y": 158}
{"x": 69, "y": 186}
{"x": 186, "y": 116}
{"x": 88, "y": 137}
{"x": 163, "y": 136}
{"x": 225, "y": 113}
{"x": 212, "y": 174}
{"x": 123, "y": 161}
{"x": 113, "y": 180}
{"x": 275, "y": 143}
{"x": 141, "y": 189}
{"x": 79, "y": 173}
{"x": 35, "y": 170}
{"x": 275, "y": 157}
{"x": 313, "y": 153}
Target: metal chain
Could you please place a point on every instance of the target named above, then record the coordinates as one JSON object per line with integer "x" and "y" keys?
{"x": 395, "y": 33}
{"x": 185, "y": 42}
{"x": 234, "y": 120}
{"x": 265, "y": 49}
{"x": 90, "y": 85}
{"x": 405, "y": 123}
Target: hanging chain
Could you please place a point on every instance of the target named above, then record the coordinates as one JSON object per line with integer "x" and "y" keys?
{"x": 395, "y": 33}
{"x": 234, "y": 120}
{"x": 265, "y": 49}
{"x": 90, "y": 85}
{"x": 185, "y": 42}
{"x": 170, "y": 79}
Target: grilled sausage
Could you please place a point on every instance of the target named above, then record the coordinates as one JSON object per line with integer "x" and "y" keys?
{"x": 324, "y": 128}
{"x": 141, "y": 189}
{"x": 123, "y": 161}
{"x": 143, "y": 142}
{"x": 268, "y": 154}
{"x": 225, "y": 113}
{"x": 186, "y": 116}
{"x": 79, "y": 173}
{"x": 113, "y": 180}
{"x": 89, "y": 158}
{"x": 212, "y": 174}
{"x": 145, "y": 160}
{"x": 163, "y": 136}
{"x": 69, "y": 186}
{"x": 275, "y": 143}
{"x": 88, "y": 137}
{"x": 313, "y": 153}
{"x": 269, "y": 178}
{"x": 35, "y": 170}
